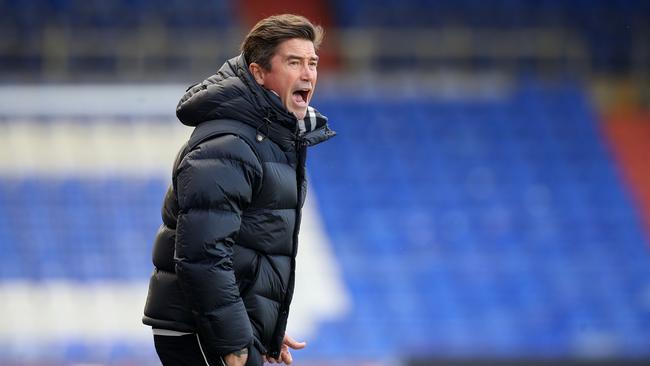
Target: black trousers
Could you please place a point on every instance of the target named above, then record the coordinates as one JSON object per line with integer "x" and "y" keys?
{"x": 186, "y": 350}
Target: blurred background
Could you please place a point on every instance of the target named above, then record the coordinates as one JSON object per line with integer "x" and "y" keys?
{"x": 487, "y": 199}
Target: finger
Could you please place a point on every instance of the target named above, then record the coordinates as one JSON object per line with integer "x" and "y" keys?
{"x": 293, "y": 343}
{"x": 286, "y": 357}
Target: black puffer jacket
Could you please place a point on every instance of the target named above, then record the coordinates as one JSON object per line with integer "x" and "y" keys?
{"x": 225, "y": 255}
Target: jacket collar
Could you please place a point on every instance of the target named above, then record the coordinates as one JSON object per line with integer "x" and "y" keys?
{"x": 233, "y": 93}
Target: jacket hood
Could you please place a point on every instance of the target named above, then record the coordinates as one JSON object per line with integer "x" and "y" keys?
{"x": 233, "y": 93}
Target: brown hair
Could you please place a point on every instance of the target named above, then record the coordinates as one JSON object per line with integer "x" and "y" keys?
{"x": 261, "y": 42}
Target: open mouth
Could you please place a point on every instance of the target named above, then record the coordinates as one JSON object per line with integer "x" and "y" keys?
{"x": 300, "y": 96}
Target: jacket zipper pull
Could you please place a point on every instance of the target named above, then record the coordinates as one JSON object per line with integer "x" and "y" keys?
{"x": 267, "y": 122}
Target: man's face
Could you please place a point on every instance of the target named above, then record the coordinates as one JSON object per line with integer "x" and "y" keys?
{"x": 292, "y": 75}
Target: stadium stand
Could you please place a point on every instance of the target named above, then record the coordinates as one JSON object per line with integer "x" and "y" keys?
{"x": 483, "y": 228}
{"x": 507, "y": 224}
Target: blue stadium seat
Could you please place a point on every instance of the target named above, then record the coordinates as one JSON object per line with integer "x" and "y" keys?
{"x": 462, "y": 228}
{"x": 514, "y": 225}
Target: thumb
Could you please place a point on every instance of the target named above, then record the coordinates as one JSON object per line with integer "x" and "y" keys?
{"x": 292, "y": 343}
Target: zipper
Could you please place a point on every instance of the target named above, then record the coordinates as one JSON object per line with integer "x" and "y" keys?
{"x": 301, "y": 152}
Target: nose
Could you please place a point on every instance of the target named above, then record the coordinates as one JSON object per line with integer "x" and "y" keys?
{"x": 308, "y": 73}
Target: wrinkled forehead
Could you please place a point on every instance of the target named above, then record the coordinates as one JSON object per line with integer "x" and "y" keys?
{"x": 296, "y": 48}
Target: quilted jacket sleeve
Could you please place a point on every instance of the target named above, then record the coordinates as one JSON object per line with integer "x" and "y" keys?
{"x": 214, "y": 183}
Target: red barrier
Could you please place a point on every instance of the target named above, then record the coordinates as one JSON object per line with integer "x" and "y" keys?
{"x": 629, "y": 137}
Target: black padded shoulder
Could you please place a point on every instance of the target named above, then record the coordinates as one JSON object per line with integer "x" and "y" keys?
{"x": 213, "y": 128}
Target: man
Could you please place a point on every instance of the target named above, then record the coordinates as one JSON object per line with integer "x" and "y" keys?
{"x": 225, "y": 255}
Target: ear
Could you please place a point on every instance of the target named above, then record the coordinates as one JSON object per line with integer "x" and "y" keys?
{"x": 257, "y": 72}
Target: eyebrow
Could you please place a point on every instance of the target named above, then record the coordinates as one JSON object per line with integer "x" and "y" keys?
{"x": 296, "y": 57}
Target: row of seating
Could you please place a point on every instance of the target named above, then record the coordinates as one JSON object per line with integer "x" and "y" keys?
{"x": 78, "y": 229}
{"x": 500, "y": 13}
{"x": 584, "y": 14}
{"x": 32, "y": 16}
{"x": 475, "y": 228}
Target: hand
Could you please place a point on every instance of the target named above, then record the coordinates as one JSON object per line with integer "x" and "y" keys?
{"x": 237, "y": 358}
{"x": 285, "y": 355}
